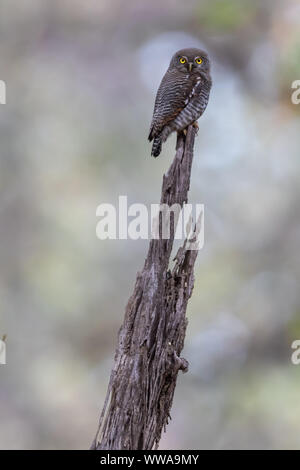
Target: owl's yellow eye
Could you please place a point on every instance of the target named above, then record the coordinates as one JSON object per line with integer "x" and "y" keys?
{"x": 198, "y": 60}
{"x": 182, "y": 60}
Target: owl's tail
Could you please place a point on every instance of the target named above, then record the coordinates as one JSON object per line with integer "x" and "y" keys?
{"x": 156, "y": 147}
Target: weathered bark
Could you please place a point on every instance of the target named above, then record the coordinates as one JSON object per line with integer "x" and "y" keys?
{"x": 147, "y": 358}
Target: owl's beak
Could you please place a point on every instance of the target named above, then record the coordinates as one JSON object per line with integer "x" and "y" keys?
{"x": 190, "y": 66}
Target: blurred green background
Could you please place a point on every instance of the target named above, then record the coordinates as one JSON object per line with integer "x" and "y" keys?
{"x": 81, "y": 80}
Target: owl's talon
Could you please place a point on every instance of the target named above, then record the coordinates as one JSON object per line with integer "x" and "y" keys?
{"x": 196, "y": 126}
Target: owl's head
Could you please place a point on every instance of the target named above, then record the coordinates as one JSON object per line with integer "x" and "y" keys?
{"x": 190, "y": 61}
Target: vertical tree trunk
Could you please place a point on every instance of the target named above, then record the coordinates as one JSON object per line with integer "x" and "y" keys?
{"x": 147, "y": 358}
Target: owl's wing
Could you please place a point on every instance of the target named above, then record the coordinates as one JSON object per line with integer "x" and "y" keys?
{"x": 171, "y": 98}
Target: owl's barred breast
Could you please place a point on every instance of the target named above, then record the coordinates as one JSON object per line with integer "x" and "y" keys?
{"x": 192, "y": 111}
{"x": 182, "y": 96}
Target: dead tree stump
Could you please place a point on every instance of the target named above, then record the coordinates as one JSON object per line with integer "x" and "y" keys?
{"x": 147, "y": 359}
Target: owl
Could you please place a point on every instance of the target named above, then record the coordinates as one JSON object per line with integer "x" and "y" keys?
{"x": 182, "y": 95}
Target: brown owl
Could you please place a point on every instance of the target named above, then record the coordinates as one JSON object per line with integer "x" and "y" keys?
{"x": 182, "y": 95}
